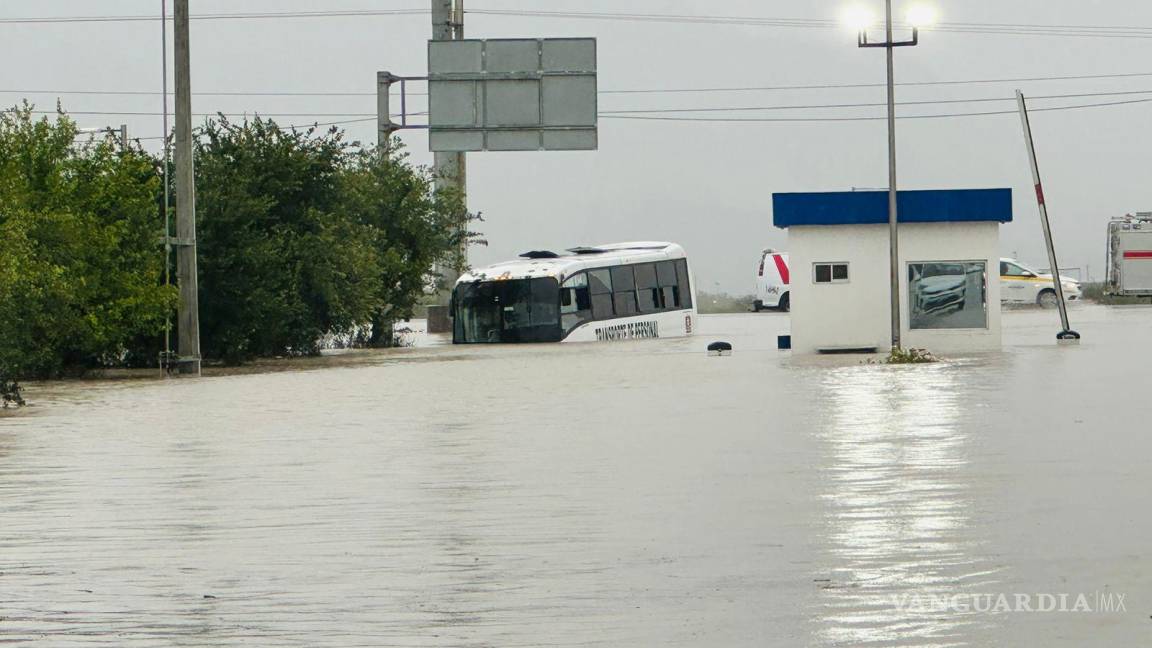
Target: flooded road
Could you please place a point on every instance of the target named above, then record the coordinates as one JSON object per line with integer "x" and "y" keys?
{"x": 622, "y": 494}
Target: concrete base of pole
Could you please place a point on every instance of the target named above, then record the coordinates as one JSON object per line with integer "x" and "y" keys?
{"x": 188, "y": 366}
{"x": 1068, "y": 337}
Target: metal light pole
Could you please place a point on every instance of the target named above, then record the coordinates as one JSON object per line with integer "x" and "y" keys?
{"x": 893, "y": 232}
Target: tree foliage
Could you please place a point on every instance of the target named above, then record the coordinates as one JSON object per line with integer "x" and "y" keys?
{"x": 411, "y": 227}
{"x": 80, "y": 264}
{"x": 302, "y": 235}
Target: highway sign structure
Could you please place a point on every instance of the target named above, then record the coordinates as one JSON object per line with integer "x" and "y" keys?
{"x": 522, "y": 94}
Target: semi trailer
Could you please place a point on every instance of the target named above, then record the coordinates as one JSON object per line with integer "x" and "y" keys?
{"x": 1130, "y": 256}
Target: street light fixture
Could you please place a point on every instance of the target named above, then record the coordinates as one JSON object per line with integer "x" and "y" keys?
{"x": 921, "y": 16}
{"x": 918, "y": 17}
{"x": 859, "y": 18}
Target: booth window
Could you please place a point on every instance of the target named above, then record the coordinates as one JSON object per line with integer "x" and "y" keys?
{"x": 830, "y": 272}
{"x": 947, "y": 295}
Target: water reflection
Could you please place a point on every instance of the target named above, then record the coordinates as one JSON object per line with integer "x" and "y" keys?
{"x": 898, "y": 501}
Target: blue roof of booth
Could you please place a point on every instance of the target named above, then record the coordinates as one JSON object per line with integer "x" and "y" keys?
{"x": 871, "y": 207}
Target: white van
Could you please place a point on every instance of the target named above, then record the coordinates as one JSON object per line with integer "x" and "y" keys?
{"x": 1020, "y": 284}
{"x": 772, "y": 281}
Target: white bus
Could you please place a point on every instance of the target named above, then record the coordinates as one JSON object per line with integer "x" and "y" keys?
{"x": 621, "y": 291}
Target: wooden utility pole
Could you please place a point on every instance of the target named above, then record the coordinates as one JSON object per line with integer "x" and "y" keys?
{"x": 188, "y": 312}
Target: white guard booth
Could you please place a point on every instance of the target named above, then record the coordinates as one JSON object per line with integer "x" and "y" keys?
{"x": 949, "y": 255}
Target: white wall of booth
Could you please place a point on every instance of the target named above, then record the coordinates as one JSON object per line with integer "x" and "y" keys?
{"x": 963, "y": 316}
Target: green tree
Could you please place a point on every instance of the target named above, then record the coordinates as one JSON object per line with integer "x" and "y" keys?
{"x": 413, "y": 229}
{"x": 278, "y": 269}
{"x": 79, "y": 257}
{"x": 302, "y": 235}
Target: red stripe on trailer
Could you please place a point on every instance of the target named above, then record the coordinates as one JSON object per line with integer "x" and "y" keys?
{"x": 782, "y": 267}
{"x": 1138, "y": 254}
{"x": 1040, "y": 194}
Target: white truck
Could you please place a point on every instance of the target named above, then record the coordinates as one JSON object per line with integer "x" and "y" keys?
{"x": 1130, "y": 256}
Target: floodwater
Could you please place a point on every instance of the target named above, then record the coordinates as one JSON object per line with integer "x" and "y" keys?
{"x": 612, "y": 494}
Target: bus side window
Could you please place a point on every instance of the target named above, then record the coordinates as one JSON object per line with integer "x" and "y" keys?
{"x": 575, "y": 301}
{"x": 624, "y": 291}
{"x": 646, "y": 288}
{"x": 600, "y": 290}
{"x": 574, "y": 294}
{"x": 666, "y": 278}
{"x": 683, "y": 284}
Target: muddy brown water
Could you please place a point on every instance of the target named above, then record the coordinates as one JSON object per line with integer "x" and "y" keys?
{"x": 618, "y": 494}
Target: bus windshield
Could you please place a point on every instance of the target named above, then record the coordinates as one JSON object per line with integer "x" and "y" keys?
{"x": 516, "y": 310}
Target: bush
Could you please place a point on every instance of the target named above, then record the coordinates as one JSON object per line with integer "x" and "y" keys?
{"x": 909, "y": 356}
{"x": 80, "y": 263}
{"x": 10, "y": 393}
{"x": 303, "y": 237}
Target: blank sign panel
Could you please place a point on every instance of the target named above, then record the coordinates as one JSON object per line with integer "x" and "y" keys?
{"x": 569, "y": 100}
{"x": 454, "y": 103}
{"x": 519, "y": 94}
{"x": 512, "y": 103}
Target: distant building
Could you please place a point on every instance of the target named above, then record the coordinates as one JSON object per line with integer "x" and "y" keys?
{"x": 949, "y": 255}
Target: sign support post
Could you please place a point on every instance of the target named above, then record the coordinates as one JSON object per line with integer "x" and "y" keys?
{"x": 450, "y": 168}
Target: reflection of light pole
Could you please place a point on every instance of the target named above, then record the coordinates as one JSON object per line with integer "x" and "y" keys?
{"x": 862, "y": 23}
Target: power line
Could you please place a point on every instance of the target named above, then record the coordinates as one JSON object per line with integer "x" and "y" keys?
{"x": 253, "y": 113}
{"x": 870, "y": 104}
{"x": 155, "y": 93}
{"x": 806, "y": 21}
{"x": 220, "y": 16}
{"x": 106, "y": 131}
{"x": 628, "y": 111}
{"x": 853, "y": 119}
{"x": 773, "y": 119}
{"x": 1027, "y": 29}
{"x": 818, "y": 86}
{"x": 787, "y": 120}
{"x": 828, "y": 86}
{"x": 1106, "y": 31}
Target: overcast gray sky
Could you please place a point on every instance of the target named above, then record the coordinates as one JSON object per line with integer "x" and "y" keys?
{"x": 705, "y": 185}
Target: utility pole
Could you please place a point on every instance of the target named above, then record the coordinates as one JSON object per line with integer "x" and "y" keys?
{"x": 450, "y": 168}
{"x": 893, "y": 229}
{"x": 124, "y": 137}
{"x": 166, "y": 363}
{"x": 188, "y": 312}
